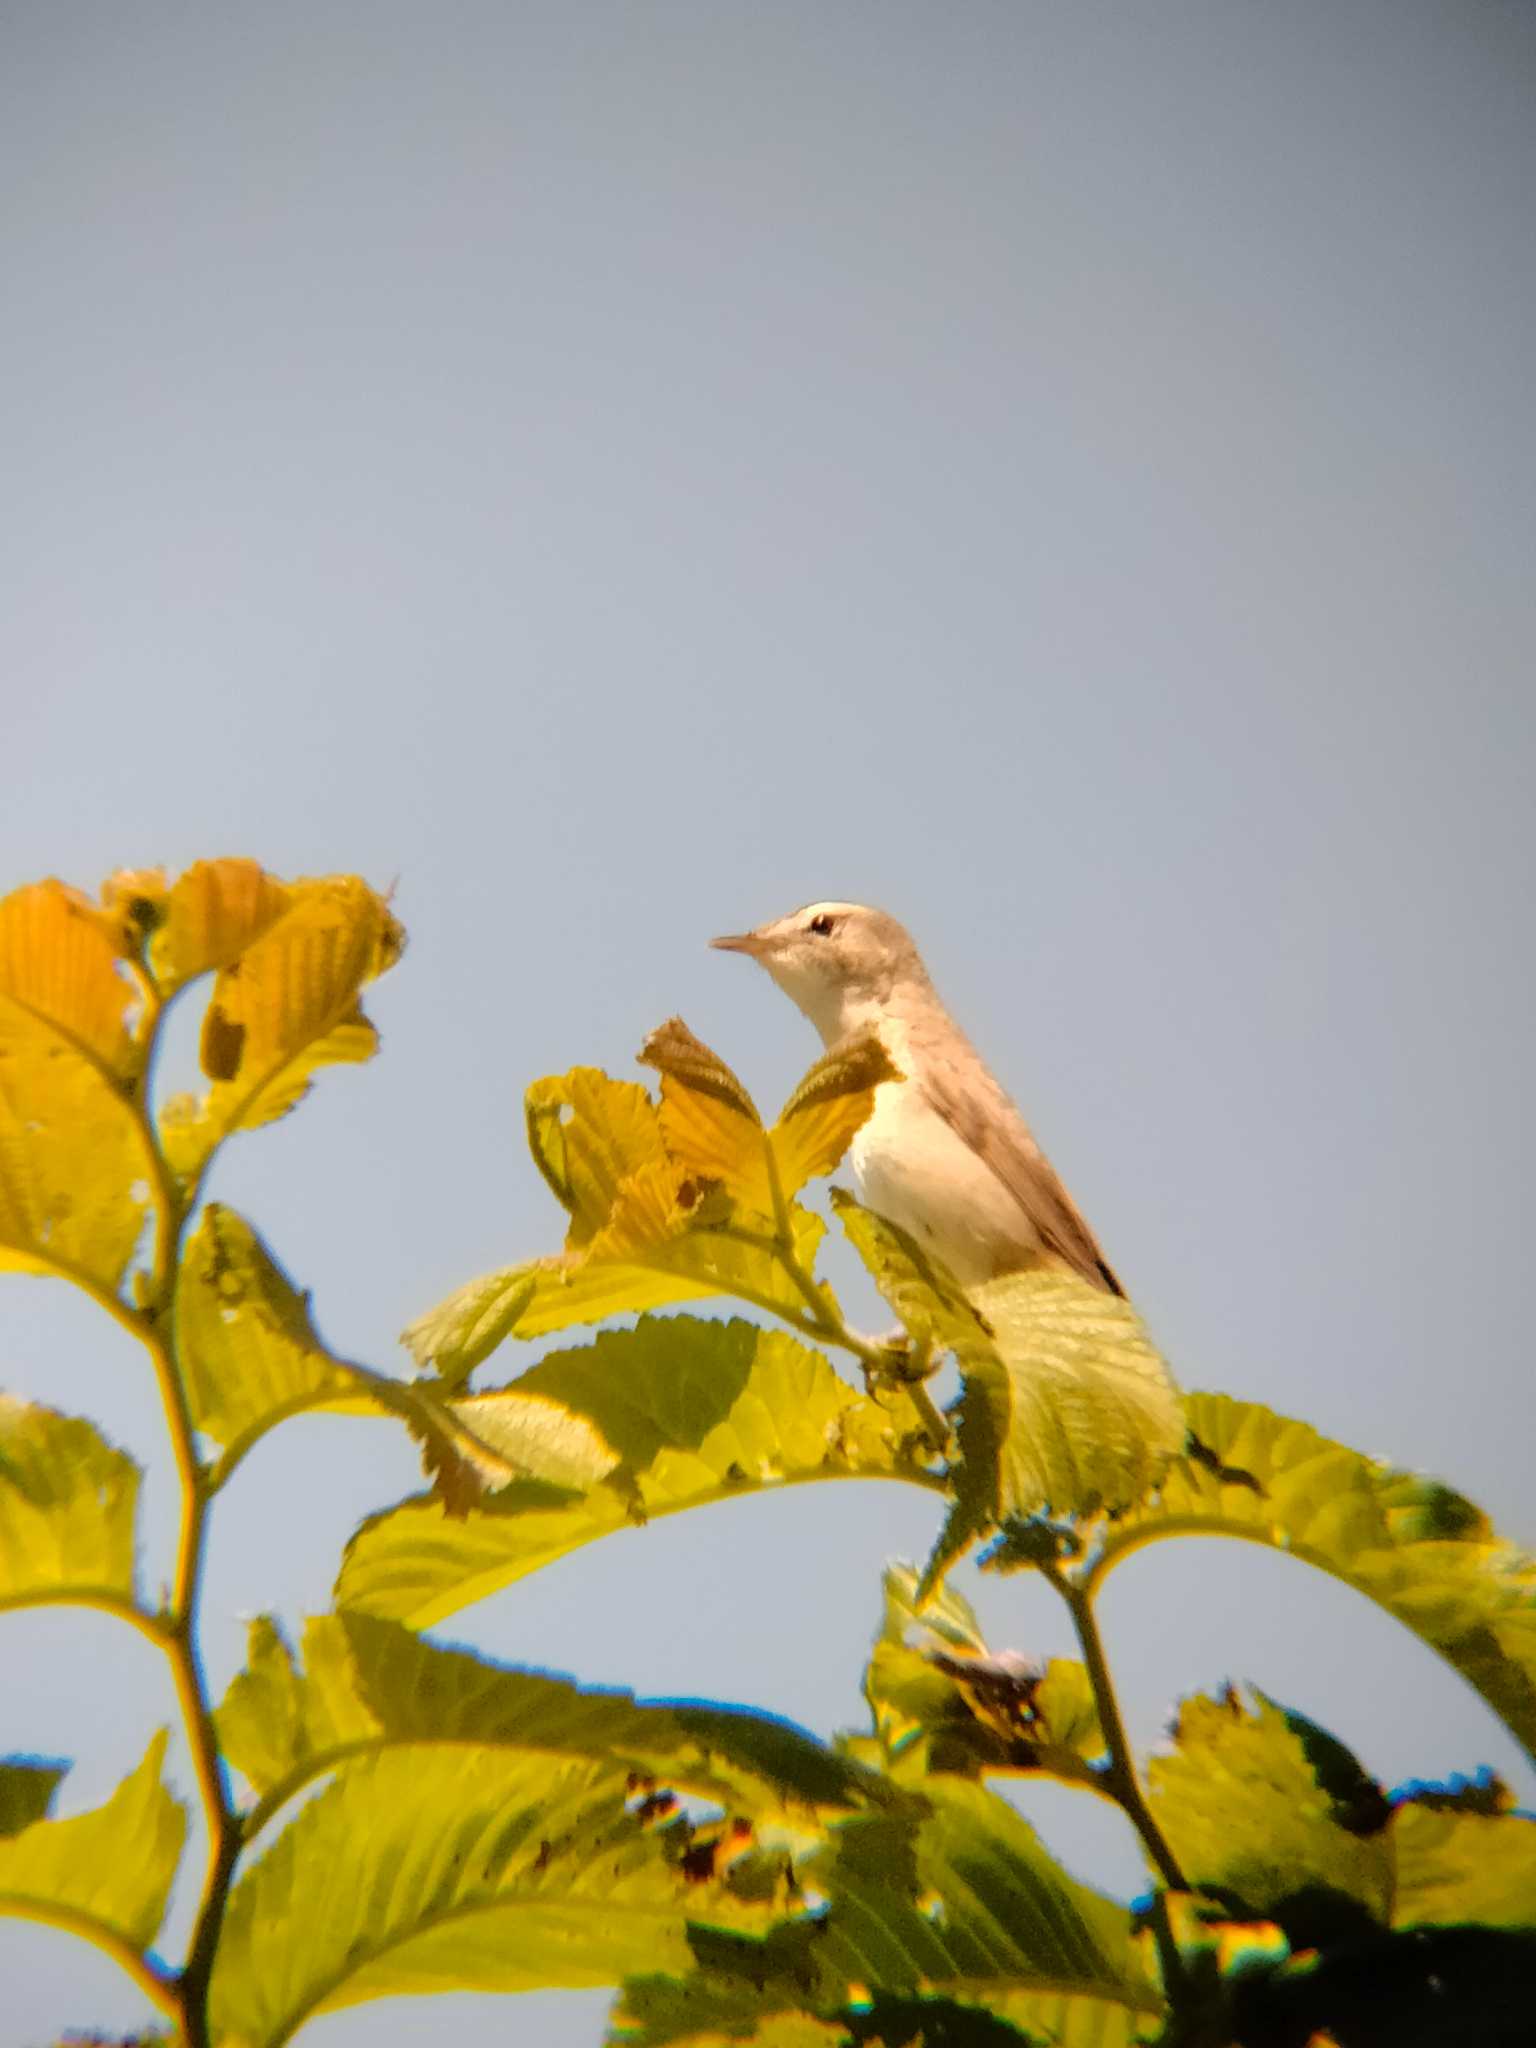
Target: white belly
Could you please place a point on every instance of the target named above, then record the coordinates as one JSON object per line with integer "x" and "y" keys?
{"x": 915, "y": 1170}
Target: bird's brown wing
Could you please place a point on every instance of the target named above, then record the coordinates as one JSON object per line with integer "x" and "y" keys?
{"x": 981, "y": 1114}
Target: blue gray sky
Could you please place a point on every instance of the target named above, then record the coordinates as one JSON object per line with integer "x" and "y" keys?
{"x": 1061, "y": 471}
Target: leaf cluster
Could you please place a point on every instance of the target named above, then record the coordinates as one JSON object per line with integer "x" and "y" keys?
{"x": 387, "y": 1815}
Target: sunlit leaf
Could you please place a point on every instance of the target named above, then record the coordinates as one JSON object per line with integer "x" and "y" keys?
{"x": 106, "y": 1871}
{"x": 27, "y": 1786}
{"x": 449, "y": 1868}
{"x": 463, "y": 1331}
{"x": 709, "y": 1123}
{"x": 67, "y": 1503}
{"x": 249, "y": 1349}
{"x": 61, "y": 974}
{"x": 371, "y": 1683}
{"x": 694, "y": 1411}
{"x": 833, "y": 1101}
{"x": 1410, "y": 1544}
{"x": 1250, "y": 1822}
{"x": 988, "y": 1902}
{"x": 73, "y": 1192}
{"x": 588, "y": 1134}
{"x": 1079, "y": 1403}
{"x": 963, "y": 1907}
{"x": 927, "y": 1297}
{"x": 283, "y": 1007}
{"x": 655, "y": 1259}
{"x": 1457, "y": 1861}
{"x": 210, "y": 915}
{"x": 73, "y": 1160}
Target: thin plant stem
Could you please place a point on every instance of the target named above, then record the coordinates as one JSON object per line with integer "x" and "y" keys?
{"x": 155, "y": 1326}
{"x": 1120, "y": 1779}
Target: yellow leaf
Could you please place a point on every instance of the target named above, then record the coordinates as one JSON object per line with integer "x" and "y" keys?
{"x": 61, "y": 972}
{"x": 282, "y": 1008}
{"x": 72, "y": 1190}
{"x": 709, "y": 1123}
{"x": 819, "y": 1121}
{"x": 588, "y": 1134}
{"x": 213, "y": 913}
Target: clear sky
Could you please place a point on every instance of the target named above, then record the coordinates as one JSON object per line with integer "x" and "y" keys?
{"x": 1061, "y": 471}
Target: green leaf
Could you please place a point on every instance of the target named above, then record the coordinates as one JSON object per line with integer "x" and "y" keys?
{"x": 923, "y": 1292}
{"x": 454, "y": 1868}
{"x": 647, "y": 1255}
{"x": 371, "y": 1683}
{"x": 67, "y": 1503}
{"x": 249, "y": 1349}
{"x": 987, "y": 1902}
{"x": 1087, "y": 1412}
{"x": 962, "y": 1905}
{"x": 1458, "y": 1862}
{"x": 27, "y": 1786}
{"x": 463, "y": 1331}
{"x": 1250, "y": 1822}
{"x": 105, "y": 1874}
{"x": 693, "y": 1412}
{"x": 1410, "y": 1544}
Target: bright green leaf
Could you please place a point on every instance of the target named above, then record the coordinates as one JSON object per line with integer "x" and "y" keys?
{"x": 1077, "y": 1402}
{"x": 1410, "y": 1544}
{"x": 372, "y": 1683}
{"x": 695, "y": 1411}
{"x": 1249, "y": 1822}
{"x": 452, "y": 1869}
{"x": 67, "y": 1502}
{"x": 647, "y": 1254}
{"x": 104, "y": 1874}
{"x": 250, "y": 1352}
{"x": 463, "y": 1331}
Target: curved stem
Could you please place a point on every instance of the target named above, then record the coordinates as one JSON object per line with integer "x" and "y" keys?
{"x": 152, "y": 1978}
{"x": 823, "y": 1322}
{"x": 180, "y": 1637}
{"x": 1119, "y": 1779}
{"x": 156, "y": 1329}
{"x": 105, "y": 1600}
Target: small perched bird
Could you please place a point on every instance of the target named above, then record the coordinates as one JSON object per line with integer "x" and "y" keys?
{"x": 944, "y": 1153}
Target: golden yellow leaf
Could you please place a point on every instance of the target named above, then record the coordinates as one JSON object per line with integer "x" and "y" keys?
{"x": 819, "y": 1121}
{"x": 285, "y": 1006}
{"x": 709, "y": 1123}
{"x": 72, "y": 1159}
{"x": 61, "y": 971}
{"x": 213, "y": 913}
{"x": 588, "y": 1135}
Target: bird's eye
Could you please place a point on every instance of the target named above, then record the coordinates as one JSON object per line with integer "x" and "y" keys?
{"x": 823, "y": 926}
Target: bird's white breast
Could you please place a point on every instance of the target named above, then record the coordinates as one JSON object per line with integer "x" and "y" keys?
{"x": 915, "y": 1169}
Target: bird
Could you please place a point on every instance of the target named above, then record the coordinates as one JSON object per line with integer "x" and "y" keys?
{"x": 944, "y": 1154}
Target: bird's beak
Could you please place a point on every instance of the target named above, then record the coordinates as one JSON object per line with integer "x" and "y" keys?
{"x": 753, "y": 944}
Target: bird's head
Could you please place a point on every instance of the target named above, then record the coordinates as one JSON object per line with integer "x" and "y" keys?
{"x": 840, "y": 962}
